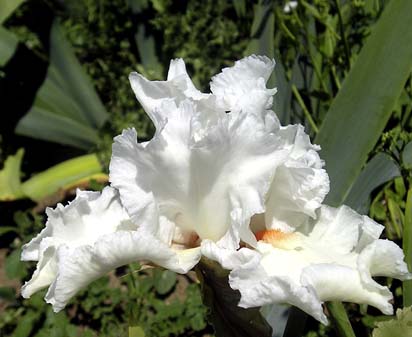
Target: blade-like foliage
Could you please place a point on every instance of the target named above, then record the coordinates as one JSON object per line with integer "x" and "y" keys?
{"x": 379, "y": 170}
{"x": 262, "y": 34}
{"x": 8, "y": 44}
{"x": 63, "y": 176}
{"x": 364, "y": 104}
{"x": 362, "y": 108}
{"x": 67, "y": 109}
{"x": 407, "y": 156}
{"x": 7, "y": 7}
{"x": 10, "y": 185}
{"x": 407, "y": 249}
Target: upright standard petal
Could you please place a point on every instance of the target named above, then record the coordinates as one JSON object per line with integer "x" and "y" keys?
{"x": 243, "y": 86}
{"x": 334, "y": 259}
{"x": 178, "y": 87}
{"x": 200, "y": 172}
{"x": 86, "y": 239}
{"x": 299, "y": 185}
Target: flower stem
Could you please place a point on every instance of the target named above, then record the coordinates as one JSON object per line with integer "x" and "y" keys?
{"x": 304, "y": 108}
{"x": 407, "y": 249}
{"x": 340, "y": 319}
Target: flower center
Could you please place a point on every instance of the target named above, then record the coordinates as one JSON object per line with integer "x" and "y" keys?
{"x": 279, "y": 239}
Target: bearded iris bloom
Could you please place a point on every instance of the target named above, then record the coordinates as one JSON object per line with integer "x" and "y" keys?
{"x": 223, "y": 179}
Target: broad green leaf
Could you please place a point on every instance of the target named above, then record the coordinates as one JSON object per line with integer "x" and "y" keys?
{"x": 228, "y": 319}
{"x": 407, "y": 249}
{"x": 67, "y": 109}
{"x": 7, "y": 7}
{"x": 8, "y": 44}
{"x": 407, "y": 156}
{"x": 164, "y": 280}
{"x": 10, "y": 185}
{"x": 62, "y": 176}
{"x": 73, "y": 78}
{"x": 364, "y": 104}
{"x": 379, "y": 170}
{"x": 401, "y": 326}
{"x": 49, "y": 125}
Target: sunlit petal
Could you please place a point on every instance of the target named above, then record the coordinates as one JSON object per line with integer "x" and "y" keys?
{"x": 332, "y": 258}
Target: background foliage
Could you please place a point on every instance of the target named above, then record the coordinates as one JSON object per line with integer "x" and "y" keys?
{"x": 65, "y": 93}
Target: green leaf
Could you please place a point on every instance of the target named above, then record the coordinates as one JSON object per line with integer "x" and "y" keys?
{"x": 262, "y": 34}
{"x": 10, "y": 185}
{"x": 48, "y": 125}
{"x": 26, "y": 324}
{"x": 7, "y": 7}
{"x": 67, "y": 109}
{"x": 8, "y": 45}
{"x": 164, "y": 280}
{"x": 228, "y": 319}
{"x": 407, "y": 156}
{"x": 379, "y": 170}
{"x": 62, "y": 176}
{"x": 407, "y": 249}
{"x": 400, "y": 326}
{"x": 15, "y": 269}
{"x": 364, "y": 104}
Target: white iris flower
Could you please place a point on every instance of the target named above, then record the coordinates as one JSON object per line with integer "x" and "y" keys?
{"x": 220, "y": 173}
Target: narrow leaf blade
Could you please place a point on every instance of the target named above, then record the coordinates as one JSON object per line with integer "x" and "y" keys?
{"x": 379, "y": 170}
{"x": 8, "y": 44}
{"x": 60, "y": 176}
{"x": 407, "y": 249}
{"x": 76, "y": 80}
{"x": 364, "y": 104}
{"x": 7, "y": 7}
{"x": 10, "y": 185}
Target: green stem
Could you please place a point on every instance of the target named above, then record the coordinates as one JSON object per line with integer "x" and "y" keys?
{"x": 342, "y": 33}
{"x": 340, "y": 319}
{"x": 407, "y": 249}
{"x": 304, "y": 108}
